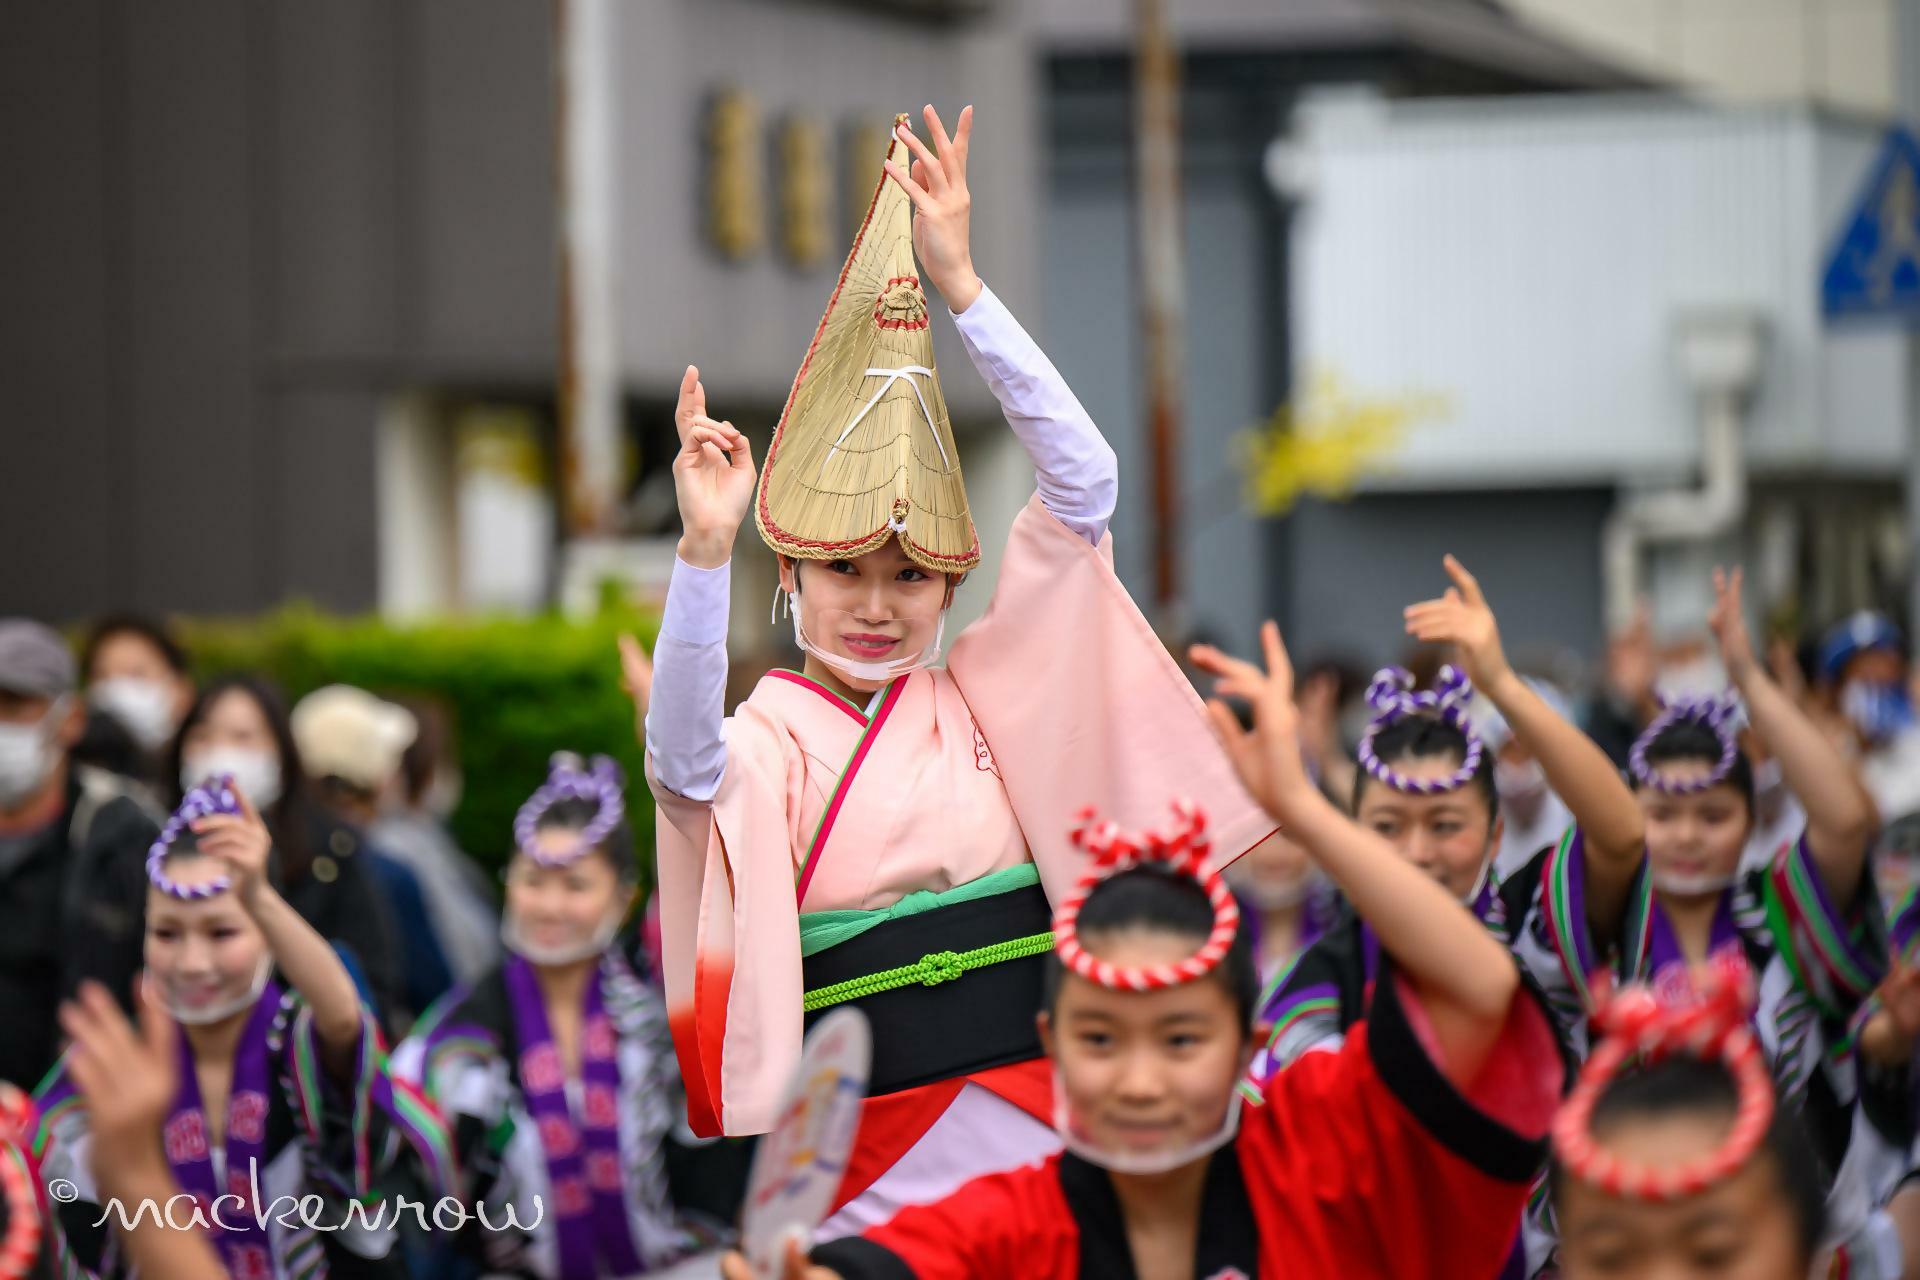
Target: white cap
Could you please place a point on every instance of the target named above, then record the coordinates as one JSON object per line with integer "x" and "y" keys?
{"x": 347, "y": 733}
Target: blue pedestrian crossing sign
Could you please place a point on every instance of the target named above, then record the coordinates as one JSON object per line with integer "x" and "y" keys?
{"x": 1875, "y": 267}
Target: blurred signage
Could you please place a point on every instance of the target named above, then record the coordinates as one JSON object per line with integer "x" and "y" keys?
{"x": 736, "y": 201}
{"x": 1875, "y": 267}
{"x": 810, "y": 182}
{"x": 919, "y": 8}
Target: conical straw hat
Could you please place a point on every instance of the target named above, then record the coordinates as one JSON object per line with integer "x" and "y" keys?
{"x": 864, "y": 451}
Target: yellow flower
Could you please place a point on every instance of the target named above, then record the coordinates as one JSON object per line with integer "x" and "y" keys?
{"x": 1323, "y": 442}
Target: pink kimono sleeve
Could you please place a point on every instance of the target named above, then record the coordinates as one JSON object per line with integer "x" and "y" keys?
{"x": 1082, "y": 705}
{"x": 726, "y": 874}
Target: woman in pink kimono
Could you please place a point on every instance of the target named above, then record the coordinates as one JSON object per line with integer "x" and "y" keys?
{"x": 875, "y": 829}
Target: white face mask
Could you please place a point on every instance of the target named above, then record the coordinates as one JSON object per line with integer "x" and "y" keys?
{"x": 1480, "y": 883}
{"x": 443, "y": 793}
{"x": 1145, "y": 1163}
{"x": 1697, "y": 886}
{"x": 1524, "y": 781}
{"x": 27, "y": 755}
{"x": 1270, "y": 895}
{"x": 144, "y": 707}
{"x": 256, "y": 773}
{"x": 854, "y": 668}
{"x": 221, "y": 1010}
{"x": 514, "y": 938}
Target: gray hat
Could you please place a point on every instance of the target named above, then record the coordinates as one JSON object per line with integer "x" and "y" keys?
{"x": 34, "y": 660}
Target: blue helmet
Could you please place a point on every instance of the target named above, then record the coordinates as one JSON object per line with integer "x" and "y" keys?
{"x": 1862, "y": 633}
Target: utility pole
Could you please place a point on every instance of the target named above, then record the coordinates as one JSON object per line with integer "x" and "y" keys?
{"x": 584, "y": 128}
{"x": 1162, "y": 284}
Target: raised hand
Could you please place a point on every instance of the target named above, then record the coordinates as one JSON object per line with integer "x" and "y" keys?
{"x": 1267, "y": 759}
{"x": 242, "y": 841}
{"x": 636, "y": 680}
{"x": 942, "y": 208}
{"x": 1900, "y": 996}
{"x": 1632, "y": 663}
{"x": 1463, "y": 619}
{"x": 713, "y": 480}
{"x": 692, "y": 404}
{"x": 1728, "y": 623}
{"x": 126, "y": 1078}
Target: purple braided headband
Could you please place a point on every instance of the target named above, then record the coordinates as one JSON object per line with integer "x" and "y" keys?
{"x": 211, "y": 797}
{"x": 1392, "y": 697}
{"x": 600, "y": 782}
{"x": 1717, "y": 714}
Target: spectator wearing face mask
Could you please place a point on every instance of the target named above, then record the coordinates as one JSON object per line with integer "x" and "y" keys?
{"x": 412, "y": 827}
{"x": 238, "y": 727}
{"x": 73, "y": 849}
{"x": 1862, "y": 665}
{"x": 351, "y": 743}
{"x": 138, "y": 677}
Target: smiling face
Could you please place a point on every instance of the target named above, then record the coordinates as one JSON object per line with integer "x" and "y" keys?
{"x": 204, "y": 953}
{"x": 560, "y": 908}
{"x": 1143, "y": 1072}
{"x": 877, "y": 607}
{"x": 1694, "y": 839}
{"x": 1449, "y": 836}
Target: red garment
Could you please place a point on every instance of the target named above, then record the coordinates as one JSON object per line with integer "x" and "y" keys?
{"x": 892, "y": 1124}
{"x": 1365, "y": 1162}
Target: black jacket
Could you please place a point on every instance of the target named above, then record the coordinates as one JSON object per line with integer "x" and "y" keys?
{"x": 337, "y": 892}
{"x": 75, "y": 908}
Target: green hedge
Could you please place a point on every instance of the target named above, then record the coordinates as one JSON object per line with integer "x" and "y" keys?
{"x": 517, "y": 690}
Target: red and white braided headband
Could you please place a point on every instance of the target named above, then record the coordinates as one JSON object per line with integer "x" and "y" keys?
{"x": 1636, "y": 1026}
{"x": 1183, "y": 848}
{"x": 21, "y": 1244}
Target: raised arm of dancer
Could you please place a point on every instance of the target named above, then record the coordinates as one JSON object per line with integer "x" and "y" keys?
{"x": 1576, "y": 768}
{"x": 713, "y": 481}
{"x": 1464, "y": 976}
{"x": 127, "y": 1080}
{"x": 1840, "y": 814}
{"x": 308, "y": 961}
{"x": 1075, "y": 469}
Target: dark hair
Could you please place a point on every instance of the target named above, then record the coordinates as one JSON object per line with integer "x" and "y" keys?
{"x": 1421, "y": 737}
{"x": 432, "y": 744}
{"x": 154, "y": 632}
{"x": 289, "y": 818}
{"x": 1691, "y": 740}
{"x": 617, "y": 849}
{"x": 1156, "y": 899}
{"x": 1685, "y": 1085}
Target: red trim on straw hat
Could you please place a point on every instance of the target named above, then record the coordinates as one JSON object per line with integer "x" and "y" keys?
{"x": 1183, "y": 848}
{"x": 1637, "y": 1026}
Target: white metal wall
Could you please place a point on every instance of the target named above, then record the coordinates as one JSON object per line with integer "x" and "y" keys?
{"x": 1526, "y": 261}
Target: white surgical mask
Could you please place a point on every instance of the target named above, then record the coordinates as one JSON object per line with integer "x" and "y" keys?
{"x": 1270, "y": 895}
{"x": 224, "y": 1009}
{"x": 514, "y": 938}
{"x": 1143, "y": 1163}
{"x": 854, "y": 668}
{"x": 1697, "y": 886}
{"x": 256, "y": 773}
{"x": 27, "y": 755}
{"x": 144, "y": 707}
{"x": 1523, "y": 781}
